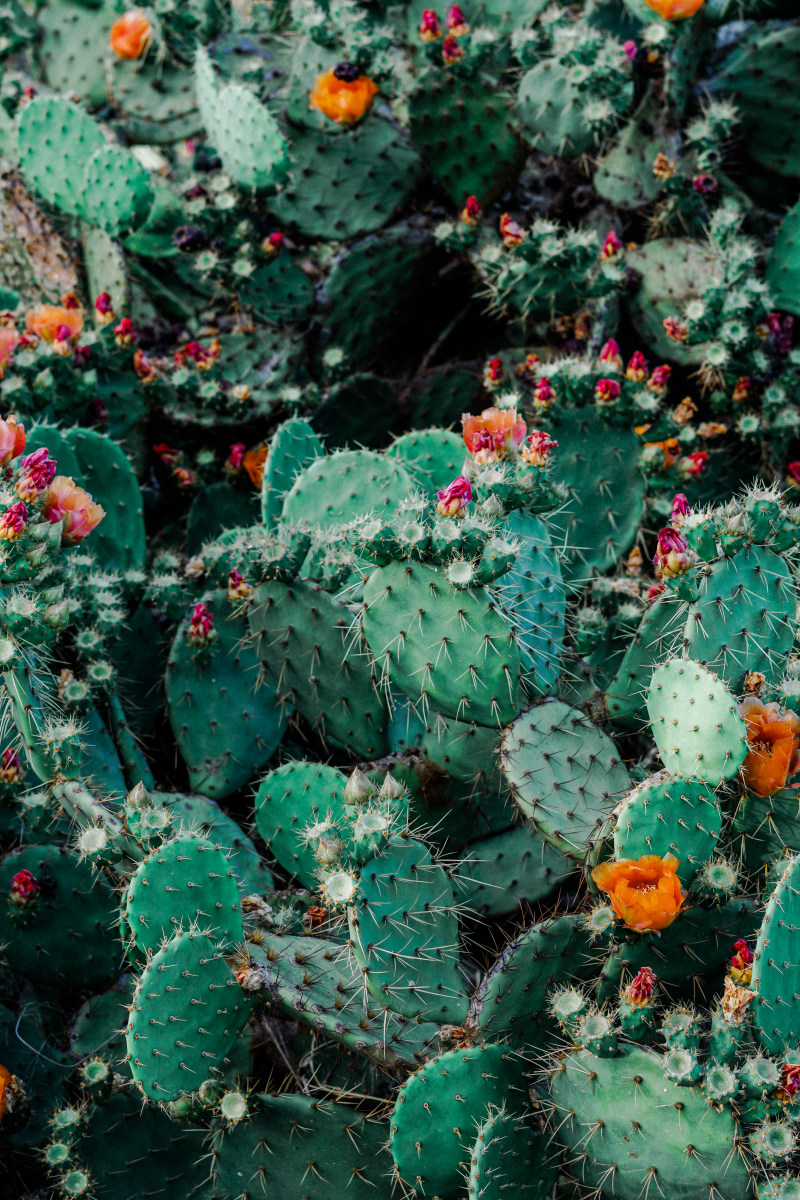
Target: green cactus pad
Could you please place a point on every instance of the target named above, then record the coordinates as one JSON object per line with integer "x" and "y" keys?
{"x": 156, "y": 100}
{"x": 434, "y": 1116}
{"x": 510, "y": 1001}
{"x": 334, "y": 489}
{"x": 185, "y": 882}
{"x": 341, "y": 186}
{"x": 433, "y": 457}
{"x": 667, "y": 814}
{"x": 752, "y": 76}
{"x": 297, "y": 1146}
{"x": 442, "y": 646}
{"x": 294, "y": 447}
{"x": 68, "y": 50}
{"x": 464, "y": 128}
{"x": 744, "y": 618}
{"x": 55, "y": 139}
{"x": 464, "y": 750}
{"x": 69, "y": 940}
{"x": 783, "y": 268}
{"x": 686, "y": 1146}
{"x": 307, "y": 646}
{"x": 99, "y": 1024}
{"x": 533, "y": 596}
{"x": 565, "y": 774}
{"x": 278, "y": 290}
{"x": 118, "y": 192}
{"x": 404, "y": 933}
{"x": 694, "y": 949}
{"x": 596, "y": 462}
{"x": 201, "y": 814}
{"x": 133, "y": 1151}
{"x": 659, "y": 635}
{"x": 765, "y": 830}
{"x": 244, "y": 131}
{"x": 695, "y": 722}
{"x": 187, "y": 1012}
{"x": 776, "y": 966}
{"x": 105, "y": 471}
{"x": 501, "y": 873}
{"x": 226, "y": 722}
{"x": 318, "y": 984}
{"x": 673, "y": 272}
{"x": 368, "y": 283}
{"x": 288, "y": 799}
{"x": 510, "y": 1153}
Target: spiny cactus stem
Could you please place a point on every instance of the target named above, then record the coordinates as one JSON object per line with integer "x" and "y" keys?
{"x": 19, "y": 691}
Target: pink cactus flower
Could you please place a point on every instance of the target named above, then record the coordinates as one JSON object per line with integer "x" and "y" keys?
{"x": 9, "y": 340}
{"x": 696, "y": 462}
{"x": 238, "y": 587}
{"x": 510, "y": 231}
{"x": 12, "y": 439}
{"x": 496, "y": 431}
{"x": 36, "y": 472}
{"x": 65, "y": 501}
{"x": 631, "y": 50}
{"x": 455, "y": 497}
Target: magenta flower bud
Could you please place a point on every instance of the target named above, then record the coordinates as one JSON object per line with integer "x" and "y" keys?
{"x": 606, "y": 391}
{"x": 680, "y": 508}
{"x": 610, "y": 356}
{"x": 637, "y": 368}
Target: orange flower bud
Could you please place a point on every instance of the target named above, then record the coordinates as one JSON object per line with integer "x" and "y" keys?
{"x": 342, "y": 94}
{"x": 130, "y": 35}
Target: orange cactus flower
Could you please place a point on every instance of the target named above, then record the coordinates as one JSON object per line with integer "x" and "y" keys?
{"x": 645, "y": 893}
{"x": 253, "y": 463}
{"x": 495, "y": 431}
{"x": 675, "y": 10}
{"x": 130, "y": 35}
{"x": 65, "y": 501}
{"x": 55, "y": 324}
{"x": 773, "y": 735}
{"x": 12, "y": 439}
{"x": 342, "y": 94}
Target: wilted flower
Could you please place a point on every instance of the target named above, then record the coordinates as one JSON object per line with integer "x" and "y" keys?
{"x": 672, "y": 556}
{"x": 675, "y": 329}
{"x": 510, "y": 231}
{"x": 452, "y": 50}
{"x": 13, "y": 521}
{"x": 201, "y": 626}
{"x": 238, "y": 587}
{"x": 641, "y": 987}
{"x": 455, "y": 497}
{"x": 10, "y": 767}
{"x": 36, "y": 472}
{"x": 536, "y": 451}
{"x": 659, "y": 379}
{"x": 695, "y": 463}
{"x": 253, "y": 463}
{"x": 680, "y": 508}
{"x": 54, "y": 323}
{"x": 471, "y": 212}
